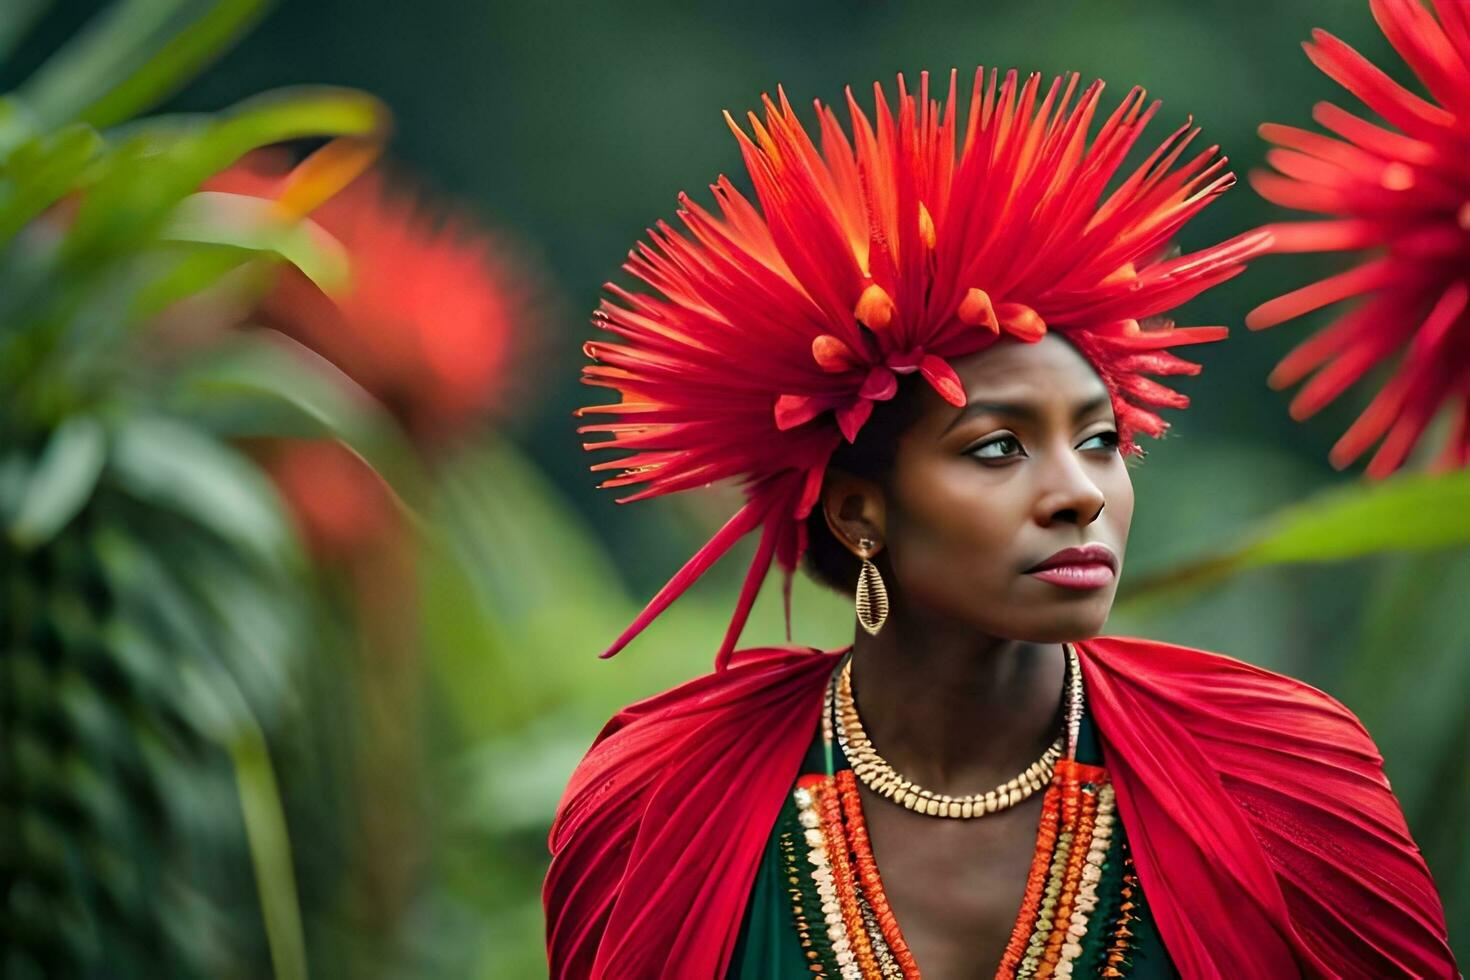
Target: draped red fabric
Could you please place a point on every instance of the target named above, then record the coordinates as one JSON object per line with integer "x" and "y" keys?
{"x": 1264, "y": 832}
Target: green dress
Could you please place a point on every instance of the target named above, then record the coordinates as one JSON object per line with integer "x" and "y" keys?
{"x": 768, "y": 947}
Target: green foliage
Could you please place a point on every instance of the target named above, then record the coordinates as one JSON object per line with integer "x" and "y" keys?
{"x": 151, "y": 613}
{"x": 141, "y": 645}
{"x": 268, "y": 383}
{"x": 61, "y": 484}
{"x": 137, "y": 54}
{"x": 1407, "y": 513}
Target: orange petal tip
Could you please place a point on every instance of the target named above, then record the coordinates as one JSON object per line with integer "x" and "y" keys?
{"x": 875, "y": 309}
{"x": 926, "y": 226}
{"x": 977, "y": 310}
{"x": 1397, "y": 176}
{"x": 832, "y": 355}
{"x": 1021, "y": 321}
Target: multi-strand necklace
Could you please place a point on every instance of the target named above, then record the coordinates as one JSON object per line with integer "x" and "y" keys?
{"x": 842, "y": 915}
{"x": 880, "y": 777}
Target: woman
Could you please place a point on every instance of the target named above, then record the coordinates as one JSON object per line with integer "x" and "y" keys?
{"x": 922, "y": 356}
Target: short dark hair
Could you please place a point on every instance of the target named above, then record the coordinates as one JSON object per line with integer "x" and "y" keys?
{"x": 827, "y": 559}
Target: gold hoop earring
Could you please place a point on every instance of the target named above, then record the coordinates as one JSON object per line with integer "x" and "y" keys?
{"x": 872, "y": 596}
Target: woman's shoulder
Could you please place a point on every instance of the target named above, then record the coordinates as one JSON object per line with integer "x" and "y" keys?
{"x": 1224, "y": 684}
{"x": 1297, "y": 763}
{"x": 1266, "y": 734}
{"x": 643, "y": 742}
{"x": 1255, "y": 769}
{"x": 673, "y": 800}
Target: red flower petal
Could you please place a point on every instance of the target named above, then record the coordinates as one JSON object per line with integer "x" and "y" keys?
{"x": 880, "y": 385}
{"x": 937, "y": 372}
{"x": 436, "y": 309}
{"x": 906, "y": 362}
{"x": 850, "y": 418}
{"x": 793, "y": 410}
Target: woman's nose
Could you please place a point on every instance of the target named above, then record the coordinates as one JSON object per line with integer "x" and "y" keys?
{"x": 1069, "y": 496}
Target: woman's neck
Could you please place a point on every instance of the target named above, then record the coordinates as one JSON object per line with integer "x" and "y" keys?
{"x": 954, "y": 710}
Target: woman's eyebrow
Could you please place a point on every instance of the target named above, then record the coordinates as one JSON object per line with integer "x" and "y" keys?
{"x": 1023, "y": 410}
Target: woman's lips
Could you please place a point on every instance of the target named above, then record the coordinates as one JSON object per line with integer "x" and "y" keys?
{"x": 1081, "y": 575}
{"x": 1090, "y": 566}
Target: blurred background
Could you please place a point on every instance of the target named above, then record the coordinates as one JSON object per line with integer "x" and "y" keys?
{"x": 306, "y": 576}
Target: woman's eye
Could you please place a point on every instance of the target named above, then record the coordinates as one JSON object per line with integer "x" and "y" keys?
{"x": 1108, "y": 440}
{"x": 1002, "y": 447}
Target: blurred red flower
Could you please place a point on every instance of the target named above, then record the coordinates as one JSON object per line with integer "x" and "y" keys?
{"x": 435, "y": 310}
{"x": 433, "y": 315}
{"x": 1403, "y": 193}
{"x": 340, "y": 503}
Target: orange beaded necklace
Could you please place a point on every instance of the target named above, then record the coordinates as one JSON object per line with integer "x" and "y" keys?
{"x": 859, "y": 936}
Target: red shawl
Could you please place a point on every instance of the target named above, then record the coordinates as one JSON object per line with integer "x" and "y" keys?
{"x": 1264, "y": 832}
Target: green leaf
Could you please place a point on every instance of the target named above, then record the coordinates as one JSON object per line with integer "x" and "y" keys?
{"x": 16, "y": 124}
{"x": 62, "y": 482}
{"x": 132, "y": 195}
{"x": 273, "y": 370}
{"x": 1403, "y": 670}
{"x": 295, "y": 113}
{"x": 504, "y": 551}
{"x": 187, "y": 269}
{"x": 95, "y": 59}
{"x": 15, "y": 473}
{"x": 16, "y": 17}
{"x": 1411, "y": 512}
{"x": 270, "y": 853}
{"x": 255, "y": 225}
{"x": 40, "y": 172}
{"x": 180, "y": 59}
{"x": 131, "y": 56}
{"x": 148, "y": 175}
{"x": 1408, "y": 513}
{"x": 176, "y": 467}
{"x": 253, "y": 619}
{"x": 213, "y": 234}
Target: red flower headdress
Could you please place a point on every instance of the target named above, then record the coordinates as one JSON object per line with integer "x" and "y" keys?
{"x": 1406, "y": 193}
{"x": 769, "y": 334}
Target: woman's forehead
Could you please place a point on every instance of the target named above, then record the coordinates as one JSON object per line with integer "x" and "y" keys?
{"x": 1048, "y": 370}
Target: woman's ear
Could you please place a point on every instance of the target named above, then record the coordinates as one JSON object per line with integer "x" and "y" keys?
{"x": 855, "y": 510}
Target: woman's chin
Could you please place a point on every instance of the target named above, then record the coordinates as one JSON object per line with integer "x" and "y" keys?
{"x": 1064, "y": 626}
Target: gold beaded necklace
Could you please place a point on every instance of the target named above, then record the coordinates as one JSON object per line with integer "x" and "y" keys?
{"x": 879, "y": 776}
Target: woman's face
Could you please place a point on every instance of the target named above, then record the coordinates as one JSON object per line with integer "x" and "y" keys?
{"x": 979, "y": 497}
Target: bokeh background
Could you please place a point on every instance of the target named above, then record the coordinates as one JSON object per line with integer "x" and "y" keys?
{"x": 416, "y": 677}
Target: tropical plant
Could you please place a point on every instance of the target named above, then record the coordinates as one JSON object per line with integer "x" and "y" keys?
{"x": 150, "y": 586}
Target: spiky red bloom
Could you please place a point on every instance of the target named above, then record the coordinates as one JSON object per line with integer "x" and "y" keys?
{"x": 1405, "y": 195}
{"x": 432, "y": 315}
{"x": 429, "y": 323}
{"x": 770, "y": 333}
